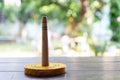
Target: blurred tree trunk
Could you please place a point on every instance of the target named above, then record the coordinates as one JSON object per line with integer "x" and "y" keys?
{"x": 24, "y": 15}
{"x": 73, "y": 23}
{"x": 22, "y": 21}
{"x": 85, "y": 5}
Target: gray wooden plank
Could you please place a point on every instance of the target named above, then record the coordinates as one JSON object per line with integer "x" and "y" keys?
{"x": 22, "y": 76}
{"x": 6, "y": 67}
{"x": 62, "y": 59}
{"x": 6, "y": 75}
{"x": 20, "y": 60}
{"x": 75, "y": 75}
{"x": 93, "y": 75}
{"x": 91, "y": 68}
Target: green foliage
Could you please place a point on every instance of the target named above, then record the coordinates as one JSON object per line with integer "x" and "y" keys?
{"x": 1, "y": 10}
{"x": 98, "y": 48}
{"x": 115, "y": 25}
{"x": 10, "y": 13}
{"x": 26, "y": 10}
{"x": 1, "y": 4}
{"x": 33, "y": 10}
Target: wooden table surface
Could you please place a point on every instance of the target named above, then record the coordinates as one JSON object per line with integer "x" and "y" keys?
{"x": 78, "y": 68}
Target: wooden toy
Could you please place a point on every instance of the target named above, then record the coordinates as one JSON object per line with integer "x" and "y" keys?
{"x": 44, "y": 68}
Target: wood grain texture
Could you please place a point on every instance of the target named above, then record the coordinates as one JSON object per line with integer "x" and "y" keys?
{"x": 70, "y": 75}
{"x": 36, "y": 69}
{"x": 78, "y": 68}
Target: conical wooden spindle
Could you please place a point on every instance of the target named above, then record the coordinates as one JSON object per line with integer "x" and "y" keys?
{"x": 45, "y": 68}
{"x": 45, "y": 59}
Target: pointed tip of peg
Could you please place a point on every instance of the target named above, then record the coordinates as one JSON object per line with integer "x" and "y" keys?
{"x": 44, "y": 19}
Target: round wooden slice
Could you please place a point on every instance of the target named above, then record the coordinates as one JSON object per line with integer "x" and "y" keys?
{"x": 36, "y": 69}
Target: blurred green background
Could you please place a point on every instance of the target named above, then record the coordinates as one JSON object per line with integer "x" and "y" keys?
{"x": 76, "y": 27}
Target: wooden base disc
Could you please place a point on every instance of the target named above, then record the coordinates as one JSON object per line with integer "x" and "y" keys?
{"x": 36, "y": 69}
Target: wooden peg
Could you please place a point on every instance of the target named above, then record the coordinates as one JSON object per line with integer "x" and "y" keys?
{"x": 44, "y": 69}
{"x": 45, "y": 60}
